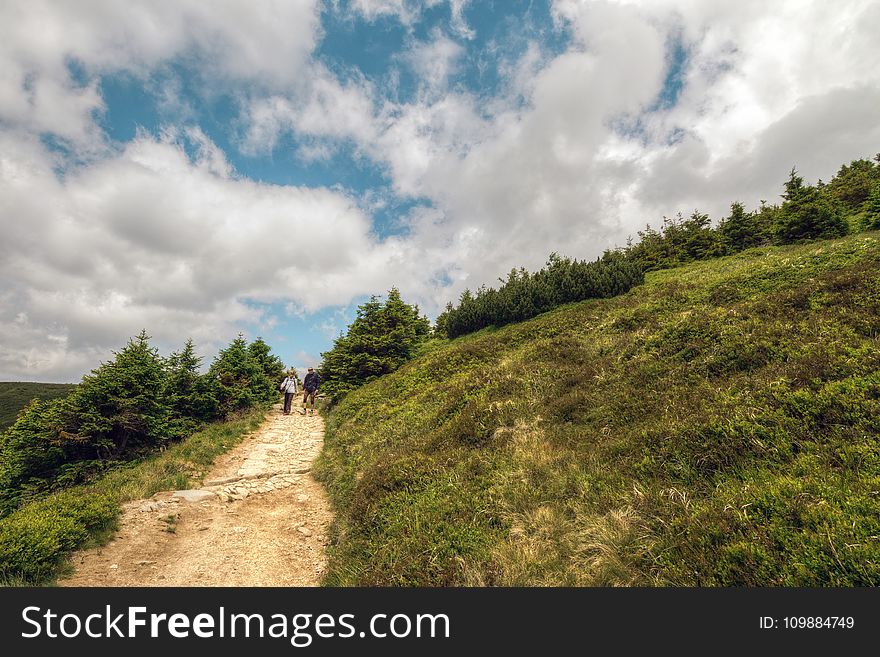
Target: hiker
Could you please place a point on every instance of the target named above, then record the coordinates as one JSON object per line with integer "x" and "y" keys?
{"x": 289, "y": 388}
{"x": 310, "y": 388}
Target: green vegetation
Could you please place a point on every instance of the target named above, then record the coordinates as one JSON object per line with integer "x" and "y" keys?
{"x": 14, "y": 396}
{"x": 36, "y": 539}
{"x": 524, "y": 295}
{"x": 66, "y": 464}
{"x": 382, "y": 337}
{"x": 716, "y": 426}
{"x": 849, "y": 203}
{"x": 127, "y": 408}
{"x": 245, "y": 375}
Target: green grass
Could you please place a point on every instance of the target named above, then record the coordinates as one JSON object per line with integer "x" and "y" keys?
{"x": 36, "y": 539}
{"x": 717, "y": 426}
{"x": 15, "y": 395}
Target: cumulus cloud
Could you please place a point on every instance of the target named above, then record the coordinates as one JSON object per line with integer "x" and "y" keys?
{"x": 765, "y": 88}
{"x": 305, "y": 108}
{"x": 154, "y": 238}
{"x": 592, "y": 153}
{"x": 575, "y": 151}
{"x": 52, "y": 52}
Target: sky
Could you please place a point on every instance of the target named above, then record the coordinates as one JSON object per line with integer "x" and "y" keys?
{"x": 203, "y": 169}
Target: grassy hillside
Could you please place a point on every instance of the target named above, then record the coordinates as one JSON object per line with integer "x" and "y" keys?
{"x": 716, "y": 426}
{"x": 15, "y": 395}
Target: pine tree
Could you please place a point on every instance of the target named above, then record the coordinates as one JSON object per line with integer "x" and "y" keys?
{"x": 807, "y": 214}
{"x": 871, "y": 218}
{"x": 271, "y": 365}
{"x": 240, "y": 380}
{"x": 30, "y": 451}
{"x": 121, "y": 405}
{"x": 852, "y": 184}
{"x": 794, "y": 186}
{"x": 191, "y": 396}
{"x": 382, "y": 337}
{"x": 699, "y": 240}
{"x": 523, "y": 295}
{"x": 736, "y": 229}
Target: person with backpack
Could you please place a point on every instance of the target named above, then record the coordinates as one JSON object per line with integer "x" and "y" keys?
{"x": 289, "y": 387}
{"x": 310, "y": 389}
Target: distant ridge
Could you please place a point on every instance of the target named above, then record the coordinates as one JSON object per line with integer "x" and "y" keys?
{"x": 15, "y": 395}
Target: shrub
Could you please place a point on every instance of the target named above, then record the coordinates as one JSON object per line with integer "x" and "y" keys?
{"x": 524, "y": 295}
{"x": 35, "y": 539}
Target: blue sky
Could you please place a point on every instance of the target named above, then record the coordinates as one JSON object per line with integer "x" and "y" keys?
{"x": 203, "y": 169}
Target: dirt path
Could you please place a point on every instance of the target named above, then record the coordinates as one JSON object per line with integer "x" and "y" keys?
{"x": 258, "y": 520}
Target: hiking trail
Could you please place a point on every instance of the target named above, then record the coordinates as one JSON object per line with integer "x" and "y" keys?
{"x": 258, "y": 519}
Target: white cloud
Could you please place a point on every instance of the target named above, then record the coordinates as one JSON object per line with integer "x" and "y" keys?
{"x": 318, "y": 106}
{"x": 434, "y": 62}
{"x": 573, "y": 154}
{"x": 150, "y": 238}
{"x": 764, "y": 87}
{"x": 406, "y": 11}
{"x": 40, "y": 40}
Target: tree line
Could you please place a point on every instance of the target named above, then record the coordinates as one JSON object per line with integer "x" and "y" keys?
{"x": 850, "y": 202}
{"x": 386, "y": 335}
{"x": 524, "y": 295}
{"x": 134, "y": 404}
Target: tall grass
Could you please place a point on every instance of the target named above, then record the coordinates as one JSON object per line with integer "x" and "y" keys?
{"x": 717, "y": 426}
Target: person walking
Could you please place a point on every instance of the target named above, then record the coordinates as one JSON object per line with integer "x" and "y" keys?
{"x": 310, "y": 389}
{"x": 289, "y": 387}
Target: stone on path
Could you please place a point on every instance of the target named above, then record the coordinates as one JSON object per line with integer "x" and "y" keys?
{"x": 194, "y": 495}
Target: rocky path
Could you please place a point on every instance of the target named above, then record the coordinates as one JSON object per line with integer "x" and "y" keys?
{"x": 259, "y": 519}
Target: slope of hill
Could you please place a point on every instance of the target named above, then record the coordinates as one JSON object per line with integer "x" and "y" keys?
{"x": 716, "y": 426}
{"x": 15, "y": 395}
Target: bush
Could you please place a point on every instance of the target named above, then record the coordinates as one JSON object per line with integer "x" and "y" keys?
{"x": 35, "y": 539}
{"x": 524, "y": 295}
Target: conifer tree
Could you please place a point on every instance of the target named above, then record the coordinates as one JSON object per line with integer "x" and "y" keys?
{"x": 191, "y": 396}
{"x": 382, "y": 337}
{"x": 807, "y": 214}
{"x": 30, "y": 451}
{"x": 121, "y": 404}
{"x": 871, "y": 220}
{"x": 240, "y": 379}
{"x": 271, "y": 365}
{"x": 852, "y": 184}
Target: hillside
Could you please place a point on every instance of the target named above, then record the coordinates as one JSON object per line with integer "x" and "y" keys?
{"x": 717, "y": 425}
{"x": 15, "y": 395}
